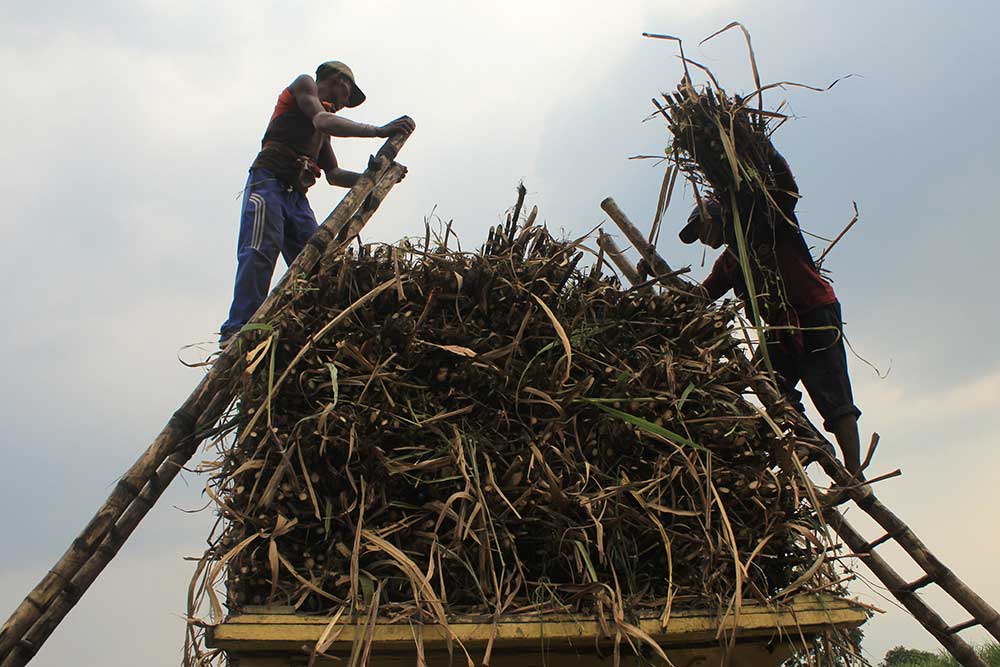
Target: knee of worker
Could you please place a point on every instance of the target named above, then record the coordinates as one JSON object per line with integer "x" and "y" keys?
{"x": 838, "y": 419}
{"x": 264, "y": 257}
{"x": 795, "y": 400}
{"x": 253, "y": 273}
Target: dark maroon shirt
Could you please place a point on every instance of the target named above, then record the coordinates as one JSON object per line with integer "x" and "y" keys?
{"x": 804, "y": 288}
{"x": 784, "y": 275}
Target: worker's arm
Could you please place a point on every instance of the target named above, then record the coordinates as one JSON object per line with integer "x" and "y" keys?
{"x": 720, "y": 280}
{"x": 334, "y": 174}
{"x": 307, "y": 97}
{"x": 337, "y": 126}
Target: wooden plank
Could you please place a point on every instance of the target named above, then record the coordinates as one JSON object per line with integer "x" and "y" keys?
{"x": 282, "y": 631}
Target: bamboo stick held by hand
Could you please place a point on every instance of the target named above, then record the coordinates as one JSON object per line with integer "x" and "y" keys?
{"x": 140, "y": 487}
{"x": 657, "y": 264}
{"x": 618, "y": 258}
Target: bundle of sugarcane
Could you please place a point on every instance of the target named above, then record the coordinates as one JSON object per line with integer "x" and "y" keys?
{"x": 722, "y": 140}
{"x": 722, "y": 144}
{"x": 441, "y": 433}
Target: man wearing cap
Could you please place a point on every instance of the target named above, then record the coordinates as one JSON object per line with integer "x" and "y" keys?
{"x": 804, "y": 340}
{"x": 276, "y": 216}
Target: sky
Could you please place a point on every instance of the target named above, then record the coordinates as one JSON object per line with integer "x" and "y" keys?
{"x": 129, "y": 127}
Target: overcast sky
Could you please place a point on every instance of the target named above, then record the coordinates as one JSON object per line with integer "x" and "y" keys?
{"x": 129, "y": 126}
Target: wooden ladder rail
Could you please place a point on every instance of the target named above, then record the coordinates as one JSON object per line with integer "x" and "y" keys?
{"x": 34, "y": 620}
{"x": 907, "y": 596}
{"x": 934, "y": 570}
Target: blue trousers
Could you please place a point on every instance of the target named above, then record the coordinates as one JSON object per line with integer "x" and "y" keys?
{"x": 274, "y": 220}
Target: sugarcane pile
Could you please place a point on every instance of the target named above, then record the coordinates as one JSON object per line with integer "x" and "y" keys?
{"x": 441, "y": 433}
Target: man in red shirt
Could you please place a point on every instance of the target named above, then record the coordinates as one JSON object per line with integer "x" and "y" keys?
{"x": 276, "y": 217}
{"x": 804, "y": 333}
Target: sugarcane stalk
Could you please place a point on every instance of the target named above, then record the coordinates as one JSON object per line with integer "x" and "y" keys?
{"x": 204, "y": 406}
{"x": 484, "y": 476}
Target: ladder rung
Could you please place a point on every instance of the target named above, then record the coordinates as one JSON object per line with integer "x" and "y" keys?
{"x": 962, "y": 626}
{"x": 920, "y": 583}
{"x": 882, "y": 540}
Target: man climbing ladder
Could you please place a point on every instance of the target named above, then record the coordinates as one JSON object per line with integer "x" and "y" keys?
{"x": 805, "y": 336}
{"x": 276, "y": 217}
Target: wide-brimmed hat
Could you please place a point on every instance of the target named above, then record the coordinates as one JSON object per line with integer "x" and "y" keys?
{"x": 335, "y": 66}
{"x": 689, "y": 233}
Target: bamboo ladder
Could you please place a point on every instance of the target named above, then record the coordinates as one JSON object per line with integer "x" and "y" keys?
{"x": 141, "y": 486}
{"x": 935, "y": 572}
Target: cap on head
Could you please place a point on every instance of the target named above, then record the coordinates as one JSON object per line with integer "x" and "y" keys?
{"x": 689, "y": 233}
{"x": 337, "y": 67}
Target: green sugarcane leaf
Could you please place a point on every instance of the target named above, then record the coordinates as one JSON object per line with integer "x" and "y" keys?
{"x": 582, "y": 549}
{"x": 650, "y": 427}
{"x": 684, "y": 395}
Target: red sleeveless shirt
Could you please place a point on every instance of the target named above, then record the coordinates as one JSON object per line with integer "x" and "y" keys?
{"x": 290, "y": 137}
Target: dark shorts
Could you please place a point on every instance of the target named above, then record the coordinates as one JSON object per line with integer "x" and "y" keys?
{"x": 820, "y": 363}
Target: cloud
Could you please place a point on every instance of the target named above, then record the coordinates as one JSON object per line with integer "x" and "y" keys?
{"x": 968, "y": 403}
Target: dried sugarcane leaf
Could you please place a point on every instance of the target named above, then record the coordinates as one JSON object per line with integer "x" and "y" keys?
{"x": 563, "y": 338}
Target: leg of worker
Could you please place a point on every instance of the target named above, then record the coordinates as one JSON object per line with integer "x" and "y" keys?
{"x": 300, "y": 225}
{"x": 784, "y": 361}
{"x": 845, "y": 429}
{"x": 824, "y": 373}
{"x": 261, "y": 236}
{"x": 785, "y": 351}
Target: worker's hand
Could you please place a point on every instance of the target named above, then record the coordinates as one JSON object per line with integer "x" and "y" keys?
{"x": 401, "y": 124}
{"x": 700, "y": 292}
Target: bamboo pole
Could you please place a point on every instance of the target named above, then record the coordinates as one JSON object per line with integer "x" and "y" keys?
{"x": 646, "y": 249}
{"x": 28, "y": 646}
{"x": 618, "y": 258}
{"x": 146, "y": 478}
{"x": 392, "y": 176}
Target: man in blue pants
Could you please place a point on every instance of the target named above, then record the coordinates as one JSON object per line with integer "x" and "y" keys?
{"x": 295, "y": 150}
